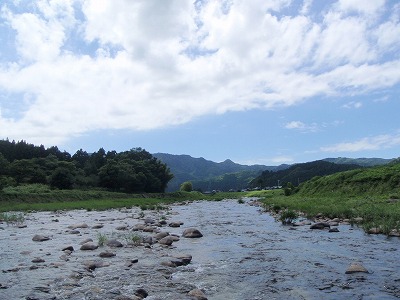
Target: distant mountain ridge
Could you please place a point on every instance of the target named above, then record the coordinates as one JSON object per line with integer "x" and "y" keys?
{"x": 199, "y": 170}
{"x": 299, "y": 173}
{"x": 208, "y": 175}
{"x": 364, "y": 162}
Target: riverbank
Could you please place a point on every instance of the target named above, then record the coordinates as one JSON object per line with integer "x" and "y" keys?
{"x": 34, "y": 198}
{"x": 375, "y": 214}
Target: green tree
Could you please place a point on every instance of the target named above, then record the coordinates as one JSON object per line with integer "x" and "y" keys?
{"x": 4, "y": 165}
{"x": 186, "y": 186}
{"x": 62, "y": 178}
{"x": 80, "y": 158}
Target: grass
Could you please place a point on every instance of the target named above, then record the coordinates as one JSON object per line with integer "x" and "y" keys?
{"x": 38, "y": 198}
{"x": 133, "y": 238}
{"x": 375, "y": 211}
{"x": 12, "y": 218}
{"x": 101, "y": 239}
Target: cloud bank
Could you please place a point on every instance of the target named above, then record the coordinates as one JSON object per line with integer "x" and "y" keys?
{"x": 68, "y": 67}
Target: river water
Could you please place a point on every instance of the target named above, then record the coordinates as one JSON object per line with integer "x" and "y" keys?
{"x": 244, "y": 254}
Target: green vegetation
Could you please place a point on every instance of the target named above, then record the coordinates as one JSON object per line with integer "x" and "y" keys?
{"x": 133, "y": 171}
{"x": 187, "y": 186}
{"x": 12, "y": 218}
{"x": 381, "y": 182}
{"x": 133, "y": 238}
{"x": 371, "y": 194}
{"x": 101, "y": 239}
{"x": 299, "y": 173}
{"x": 23, "y": 198}
{"x": 288, "y": 216}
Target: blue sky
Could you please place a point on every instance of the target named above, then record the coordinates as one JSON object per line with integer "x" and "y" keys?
{"x": 258, "y": 82}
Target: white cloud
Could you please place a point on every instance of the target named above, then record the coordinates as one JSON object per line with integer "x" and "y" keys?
{"x": 352, "y": 104}
{"x": 295, "y": 125}
{"x": 298, "y": 125}
{"x": 282, "y": 160}
{"x": 369, "y": 143}
{"x": 306, "y": 7}
{"x": 151, "y": 64}
{"x": 367, "y": 7}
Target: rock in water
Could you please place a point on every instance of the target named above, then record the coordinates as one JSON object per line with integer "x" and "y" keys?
{"x": 192, "y": 233}
{"x": 198, "y": 294}
{"x": 320, "y": 225}
{"x": 168, "y": 240}
{"x": 76, "y": 226}
{"x": 40, "y": 238}
{"x": 89, "y": 246}
{"x": 114, "y": 243}
{"x": 142, "y": 293}
{"x": 107, "y": 254}
{"x": 356, "y": 268}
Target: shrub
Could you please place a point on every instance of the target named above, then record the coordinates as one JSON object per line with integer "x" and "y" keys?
{"x": 187, "y": 186}
{"x": 288, "y": 216}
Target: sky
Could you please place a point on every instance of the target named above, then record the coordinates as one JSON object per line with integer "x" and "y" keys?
{"x": 255, "y": 81}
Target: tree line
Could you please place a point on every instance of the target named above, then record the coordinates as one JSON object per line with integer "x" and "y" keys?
{"x": 132, "y": 171}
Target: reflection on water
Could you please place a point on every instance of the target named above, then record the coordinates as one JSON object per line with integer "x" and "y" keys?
{"x": 245, "y": 254}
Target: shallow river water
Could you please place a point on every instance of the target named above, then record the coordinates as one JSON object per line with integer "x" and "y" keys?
{"x": 243, "y": 254}
{"x": 248, "y": 255}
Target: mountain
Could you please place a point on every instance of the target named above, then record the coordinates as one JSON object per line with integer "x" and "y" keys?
{"x": 208, "y": 175}
{"x": 364, "y": 162}
{"x": 299, "y": 173}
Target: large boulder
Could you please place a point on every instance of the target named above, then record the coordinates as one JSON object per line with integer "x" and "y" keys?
{"x": 192, "y": 233}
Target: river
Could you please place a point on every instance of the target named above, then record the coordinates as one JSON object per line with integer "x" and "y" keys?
{"x": 244, "y": 254}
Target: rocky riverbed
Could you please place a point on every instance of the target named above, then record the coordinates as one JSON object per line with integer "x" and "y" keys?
{"x": 231, "y": 251}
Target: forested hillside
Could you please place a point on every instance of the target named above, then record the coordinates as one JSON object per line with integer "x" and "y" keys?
{"x": 299, "y": 173}
{"x": 379, "y": 180}
{"x": 208, "y": 175}
{"x": 130, "y": 171}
